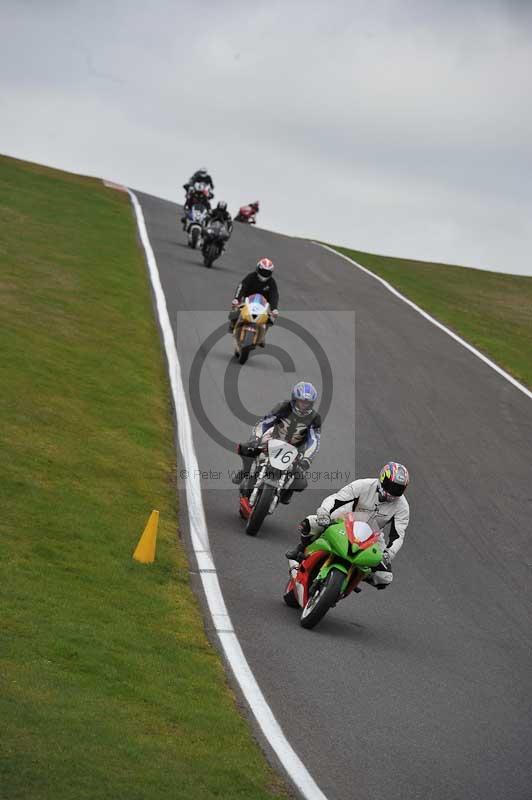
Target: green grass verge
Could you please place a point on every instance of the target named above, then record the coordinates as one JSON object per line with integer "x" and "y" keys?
{"x": 493, "y": 311}
{"x": 110, "y": 688}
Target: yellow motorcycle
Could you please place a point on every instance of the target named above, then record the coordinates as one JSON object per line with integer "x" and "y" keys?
{"x": 250, "y": 328}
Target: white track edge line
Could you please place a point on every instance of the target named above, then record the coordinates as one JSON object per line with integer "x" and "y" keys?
{"x": 262, "y": 712}
{"x": 434, "y": 321}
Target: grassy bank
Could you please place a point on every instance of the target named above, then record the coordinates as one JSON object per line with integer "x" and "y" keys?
{"x": 110, "y": 688}
{"x": 493, "y": 311}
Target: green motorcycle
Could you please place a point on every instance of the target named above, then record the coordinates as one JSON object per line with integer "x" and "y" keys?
{"x": 334, "y": 564}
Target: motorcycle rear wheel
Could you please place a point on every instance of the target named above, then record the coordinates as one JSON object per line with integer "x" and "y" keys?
{"x": 323, "y": 598}
{"x": 260, "y": 509}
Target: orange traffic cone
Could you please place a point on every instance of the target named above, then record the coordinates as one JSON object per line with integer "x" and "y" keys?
{"x": 145, "y": 550}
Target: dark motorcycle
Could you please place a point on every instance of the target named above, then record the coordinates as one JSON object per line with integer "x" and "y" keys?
{"x": 215, "y": 234}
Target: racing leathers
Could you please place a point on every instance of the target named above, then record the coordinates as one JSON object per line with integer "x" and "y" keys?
{"x": 199, "y": 177}
{"x": 191, "y": 196}
{"x": 223, "y": 216}
{"x": 303, "y": 432}
{"x": 363, "y": 496}
{"x": 252, "y": 284}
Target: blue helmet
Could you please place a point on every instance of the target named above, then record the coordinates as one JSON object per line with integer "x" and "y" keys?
{"x": 304, "y": 395}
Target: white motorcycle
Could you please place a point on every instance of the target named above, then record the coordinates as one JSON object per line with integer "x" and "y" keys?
{"x": 270, "y": 474}
{"x": 194, "y": 224}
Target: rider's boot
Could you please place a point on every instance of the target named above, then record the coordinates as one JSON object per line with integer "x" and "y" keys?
{"x": 247, "y": 461}
{"x": 286, "y": 496}
{"x": 296, "y": 553}
{"x": 233, "y": 318}
{"x": 239, "y": 476}
{"x": 305, "y": 537}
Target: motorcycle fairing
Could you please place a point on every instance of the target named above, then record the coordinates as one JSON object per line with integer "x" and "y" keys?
{"x": 303, "y": 574}
{"x": 256, "y": 307}
{"x": 335, "y": 541}
{"x": 250, "y": 328}
{"x": 359, "y": 533}
{"x": 248, "y": 334}
{"x": 195, "y": 217}
{"x": 245, "y": 508}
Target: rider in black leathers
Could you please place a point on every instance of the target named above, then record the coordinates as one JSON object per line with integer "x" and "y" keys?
{"x": 294, "y": 421}
{"x": 200, "y": 176}
{"x": 261, "y": 281}
{"x": 221, "y": 214}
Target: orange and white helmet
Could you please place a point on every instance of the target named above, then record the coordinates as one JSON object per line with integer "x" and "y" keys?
{"x": 265, "y": 269}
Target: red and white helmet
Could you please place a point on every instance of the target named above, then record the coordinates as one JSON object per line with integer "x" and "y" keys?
{"x": 265, "y": 269}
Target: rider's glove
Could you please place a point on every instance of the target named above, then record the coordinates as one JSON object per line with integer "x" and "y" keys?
{"x": 386, "y": 560}
{"x": 234, "y": 303}
{"x": 323, "y": 518}
{"x": 274, "y": 314}
{"x": 304, "y": 464}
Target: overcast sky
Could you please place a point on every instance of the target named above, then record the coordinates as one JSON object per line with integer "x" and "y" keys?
{"x": 395, "y": 126}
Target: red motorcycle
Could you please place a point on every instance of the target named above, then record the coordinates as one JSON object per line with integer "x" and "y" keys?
{"x": 248, "y": 213}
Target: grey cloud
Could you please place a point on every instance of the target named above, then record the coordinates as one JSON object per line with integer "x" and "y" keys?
{"x": 413, "y": 118}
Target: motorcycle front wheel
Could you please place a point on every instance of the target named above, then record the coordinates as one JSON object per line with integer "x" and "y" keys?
{"x": 246, "y": 346}
{"x": 244, "y": 355}
{"x": 325, "y": 596}
{"x": 260, "y": 509}
{"x": 210, "y": 255}
{"x": 194, "y": 238}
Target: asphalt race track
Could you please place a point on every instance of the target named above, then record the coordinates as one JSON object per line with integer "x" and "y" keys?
{"x": 423, "y": 690}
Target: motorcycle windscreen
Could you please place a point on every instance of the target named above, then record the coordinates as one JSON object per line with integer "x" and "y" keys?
{"x": 359, "y": 532}
{"x": 257, "y": 304}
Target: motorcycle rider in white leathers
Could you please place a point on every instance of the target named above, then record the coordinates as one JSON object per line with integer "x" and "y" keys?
{"x": 379, "y": 501}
